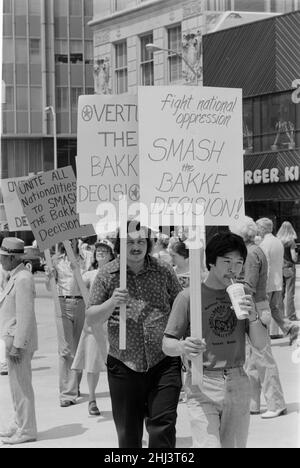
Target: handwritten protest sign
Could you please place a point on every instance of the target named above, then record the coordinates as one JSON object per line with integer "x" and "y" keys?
{"x": 191, "y": 150}
{"x": 49, "y": 202}
{"x": 17, "y": 221}
{"x": 107, "y": 144}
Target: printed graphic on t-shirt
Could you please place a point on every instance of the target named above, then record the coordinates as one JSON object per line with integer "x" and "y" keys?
{"x": 222, "y": 321}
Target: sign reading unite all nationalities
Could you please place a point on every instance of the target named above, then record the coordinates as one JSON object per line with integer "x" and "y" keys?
{"x": 17, "y": 221}
{"x": 191, "y": 150}
{"x": 49, "y": 202}
{"x": 107, "y": 151}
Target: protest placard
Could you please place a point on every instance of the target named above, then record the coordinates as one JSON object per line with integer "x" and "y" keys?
{"x": 191, "y": 150}
{"x": 191, "y": 157}
{"x": 107, "y": 145}
{"x": 49, "y": 202}
{"x": 17, "y": 221}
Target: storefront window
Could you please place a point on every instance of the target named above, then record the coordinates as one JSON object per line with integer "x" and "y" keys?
{"x": 248, "y": 126}
{"x": 271, "y": 123}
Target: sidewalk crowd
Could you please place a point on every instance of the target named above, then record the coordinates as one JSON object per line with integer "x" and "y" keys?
{"x": 149, "y": 378}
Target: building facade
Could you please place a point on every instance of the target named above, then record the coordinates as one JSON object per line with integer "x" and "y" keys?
{"x": 227, "y": 44}
{"x": 123, "y": 28}
{"x": 47, "y": 61}
{"x": 262, "y": 58}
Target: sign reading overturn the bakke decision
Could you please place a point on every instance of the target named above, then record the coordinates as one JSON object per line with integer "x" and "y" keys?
{"x": 191, "y": 150}
{"x": 49, "y": 202}
{"x": 107, "y": 151}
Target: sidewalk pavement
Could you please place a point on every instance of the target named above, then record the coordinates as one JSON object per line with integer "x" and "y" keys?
{"x": 73, "y": 427}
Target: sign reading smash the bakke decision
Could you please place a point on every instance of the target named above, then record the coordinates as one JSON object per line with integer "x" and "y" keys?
{"x": 17, "y": 221}
{"x": 49, "y": 202}
{"x": 191, "y": 150}
{"x": 107, "y": 151}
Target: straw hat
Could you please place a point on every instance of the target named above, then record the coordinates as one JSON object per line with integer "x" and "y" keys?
{"x": 12, "y": 246}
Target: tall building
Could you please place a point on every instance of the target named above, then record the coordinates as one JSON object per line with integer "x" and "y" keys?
{"x": 47, "y": 62}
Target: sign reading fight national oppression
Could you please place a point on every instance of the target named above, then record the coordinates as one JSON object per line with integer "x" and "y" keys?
{"x": 107, "y": 161}
{"x": 191, "y": 151}
{"x": 49, "y": 202}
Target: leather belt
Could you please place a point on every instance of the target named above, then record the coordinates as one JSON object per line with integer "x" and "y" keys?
{"x": 70, "y": 297}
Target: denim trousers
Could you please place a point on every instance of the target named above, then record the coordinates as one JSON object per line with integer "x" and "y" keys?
{"x": 150, "y": 396}
{"x": 219, "y": 412}
{"x": 264, "y": 377}
{"x": 277, "y": 311}
{"x": 288, "y": 291}
{"x": 20, "y": 380}
{"x": 69, "y": 326}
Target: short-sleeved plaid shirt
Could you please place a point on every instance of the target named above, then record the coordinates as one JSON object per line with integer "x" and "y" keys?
{"x": 151, "y": 295}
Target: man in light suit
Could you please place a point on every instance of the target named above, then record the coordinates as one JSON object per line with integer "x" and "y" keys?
{"x": 18, "y": 329}
{"x": 274, "y": 250}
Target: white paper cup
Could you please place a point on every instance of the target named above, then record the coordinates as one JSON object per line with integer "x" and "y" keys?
{"x": 236, "y": 292}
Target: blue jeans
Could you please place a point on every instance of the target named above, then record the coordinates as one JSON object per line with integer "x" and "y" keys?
{"x": 69, "y": 326}
{"x": 263, "y": 373}
{"x": 219, "y": 413}
{"x": 288, "y": 290}
{"x": 276, "y": 306}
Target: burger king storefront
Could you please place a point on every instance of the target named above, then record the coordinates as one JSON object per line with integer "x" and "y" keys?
{"x": 272, "y": 187}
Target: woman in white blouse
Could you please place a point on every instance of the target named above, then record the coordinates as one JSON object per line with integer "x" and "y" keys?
{"x": 91, "y": 353}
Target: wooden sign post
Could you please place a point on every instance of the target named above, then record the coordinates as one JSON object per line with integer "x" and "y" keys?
{"x": 196, "y": 300}
{"x": 123, "y": 268}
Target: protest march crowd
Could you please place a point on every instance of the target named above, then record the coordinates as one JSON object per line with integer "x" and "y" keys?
{"x": 154, "y": 372}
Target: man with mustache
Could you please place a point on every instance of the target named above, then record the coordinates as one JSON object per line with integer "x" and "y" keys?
{"x": 144, "y": 383}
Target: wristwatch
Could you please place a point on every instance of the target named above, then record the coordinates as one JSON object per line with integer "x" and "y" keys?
{"x": 255, "y": 320}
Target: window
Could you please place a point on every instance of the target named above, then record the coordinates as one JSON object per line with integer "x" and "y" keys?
{"x": 20, "y": 7}
{"x": 147, "y": 65}
{"x": 61, "y": 8}
{"x": 34, "y": 47}
{"x": 8, "y": 55}
{"x": 21, "y": 51}
{"x": 36, "y": 98}
{"x": 124, "y": 4}
{"x": 121, "y": 67}
{"x": 22, "y": 98}
{"x": 6, "y": 6}
{"x": 88, "y": 8}
{"x": 75, "y": 93}
{"x": 175, "y": 61}
{"x": 271, "y": 123}
{"x": 34, "y": 7}
{"x": 9, "y": 98}
{"x": 62, "y": 99}
{"x": 75, "y": 8}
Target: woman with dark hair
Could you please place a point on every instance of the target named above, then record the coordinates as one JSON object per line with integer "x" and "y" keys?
{"x": 144, "y": 383}
{"x": 180, "y": 258}
{"x": 91, "y": 353}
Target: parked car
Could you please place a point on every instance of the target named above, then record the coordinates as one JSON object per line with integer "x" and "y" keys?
{"x": 34, "y": 259}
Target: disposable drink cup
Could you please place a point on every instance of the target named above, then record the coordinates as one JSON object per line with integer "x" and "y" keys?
{"x": 236, "y": 292}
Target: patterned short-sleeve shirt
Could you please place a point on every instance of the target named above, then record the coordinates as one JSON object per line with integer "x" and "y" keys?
{"x": 151, "y": 295}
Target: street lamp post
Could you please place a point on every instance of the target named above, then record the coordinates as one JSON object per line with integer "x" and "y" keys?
{"x": 155, "y": 48}
{"x": 51, "y": 109}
